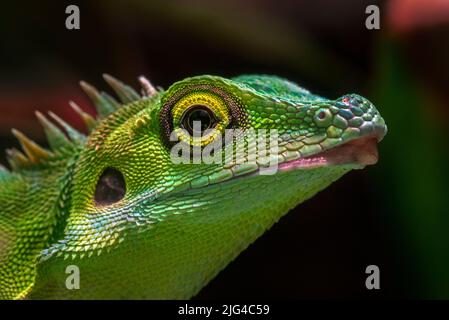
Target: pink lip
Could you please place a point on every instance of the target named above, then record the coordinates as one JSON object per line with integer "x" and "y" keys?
{"x": 361, "y": 151}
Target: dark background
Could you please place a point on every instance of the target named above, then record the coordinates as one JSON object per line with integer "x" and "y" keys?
{"x": 394, "y": 214}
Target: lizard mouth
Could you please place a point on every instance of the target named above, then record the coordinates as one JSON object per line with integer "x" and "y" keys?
{"x": 361, "y": 151}
{"x": 356, "y": 153}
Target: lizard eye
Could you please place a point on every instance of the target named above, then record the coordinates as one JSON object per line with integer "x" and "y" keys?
{"x": 215, "y": 109}
{"x": 110, "y": 187}
{"x": 197, "y": 119}
{"x": 200, "y": 117}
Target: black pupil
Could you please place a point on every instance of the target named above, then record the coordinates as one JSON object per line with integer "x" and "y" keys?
{"x": 110, "y": 187}
{"x": 200, "y": 114}
{"x": 321, "y": 115}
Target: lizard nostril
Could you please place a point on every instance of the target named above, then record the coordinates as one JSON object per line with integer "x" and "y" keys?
{"x": 321, "y": 115}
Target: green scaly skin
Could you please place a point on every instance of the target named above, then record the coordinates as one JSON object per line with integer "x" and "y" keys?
{"x": 178, "y": 225}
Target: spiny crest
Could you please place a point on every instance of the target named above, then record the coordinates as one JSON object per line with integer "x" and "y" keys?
{"x": 68, "y": 137}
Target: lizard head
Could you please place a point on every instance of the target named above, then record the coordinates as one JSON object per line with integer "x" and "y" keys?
{"x": 170, "y": 188}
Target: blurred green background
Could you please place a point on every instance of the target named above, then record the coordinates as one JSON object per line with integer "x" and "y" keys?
{"x": 394, "y": 214}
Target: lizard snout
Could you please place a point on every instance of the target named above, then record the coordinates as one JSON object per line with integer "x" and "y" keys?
{"x": 358, "y": 112}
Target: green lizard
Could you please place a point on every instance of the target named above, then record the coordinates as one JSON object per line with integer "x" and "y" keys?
{"x": 138, "y": 224}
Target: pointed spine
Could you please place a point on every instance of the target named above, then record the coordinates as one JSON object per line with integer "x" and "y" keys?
{"x": 104, "y": 106}
{"x": 55, "y": 136}
{"x": 3, "y": 169}
{"x": 124, "y": 92}
{"x": 34, "y": 151}
{"x": 73, "y": 134}
{"x": 16, "y": 159}
{"x": 148, "y": 89}
{"x": 88, "y": 120}
{"x": 111, "y": 100}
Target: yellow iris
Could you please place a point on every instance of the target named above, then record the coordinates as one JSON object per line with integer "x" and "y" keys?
{"x": 216, "y": 105}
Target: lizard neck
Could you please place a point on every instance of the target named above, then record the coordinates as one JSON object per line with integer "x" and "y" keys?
{"x": 145, "y": 265}
{"x": 37, "y": 201}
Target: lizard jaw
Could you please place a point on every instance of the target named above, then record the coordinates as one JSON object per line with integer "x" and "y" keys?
{"x": 361, "y": 151}
{"x": 355, "y": 153}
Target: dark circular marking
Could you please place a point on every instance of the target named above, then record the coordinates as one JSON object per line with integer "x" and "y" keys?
{"x": 110, "y": 188}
